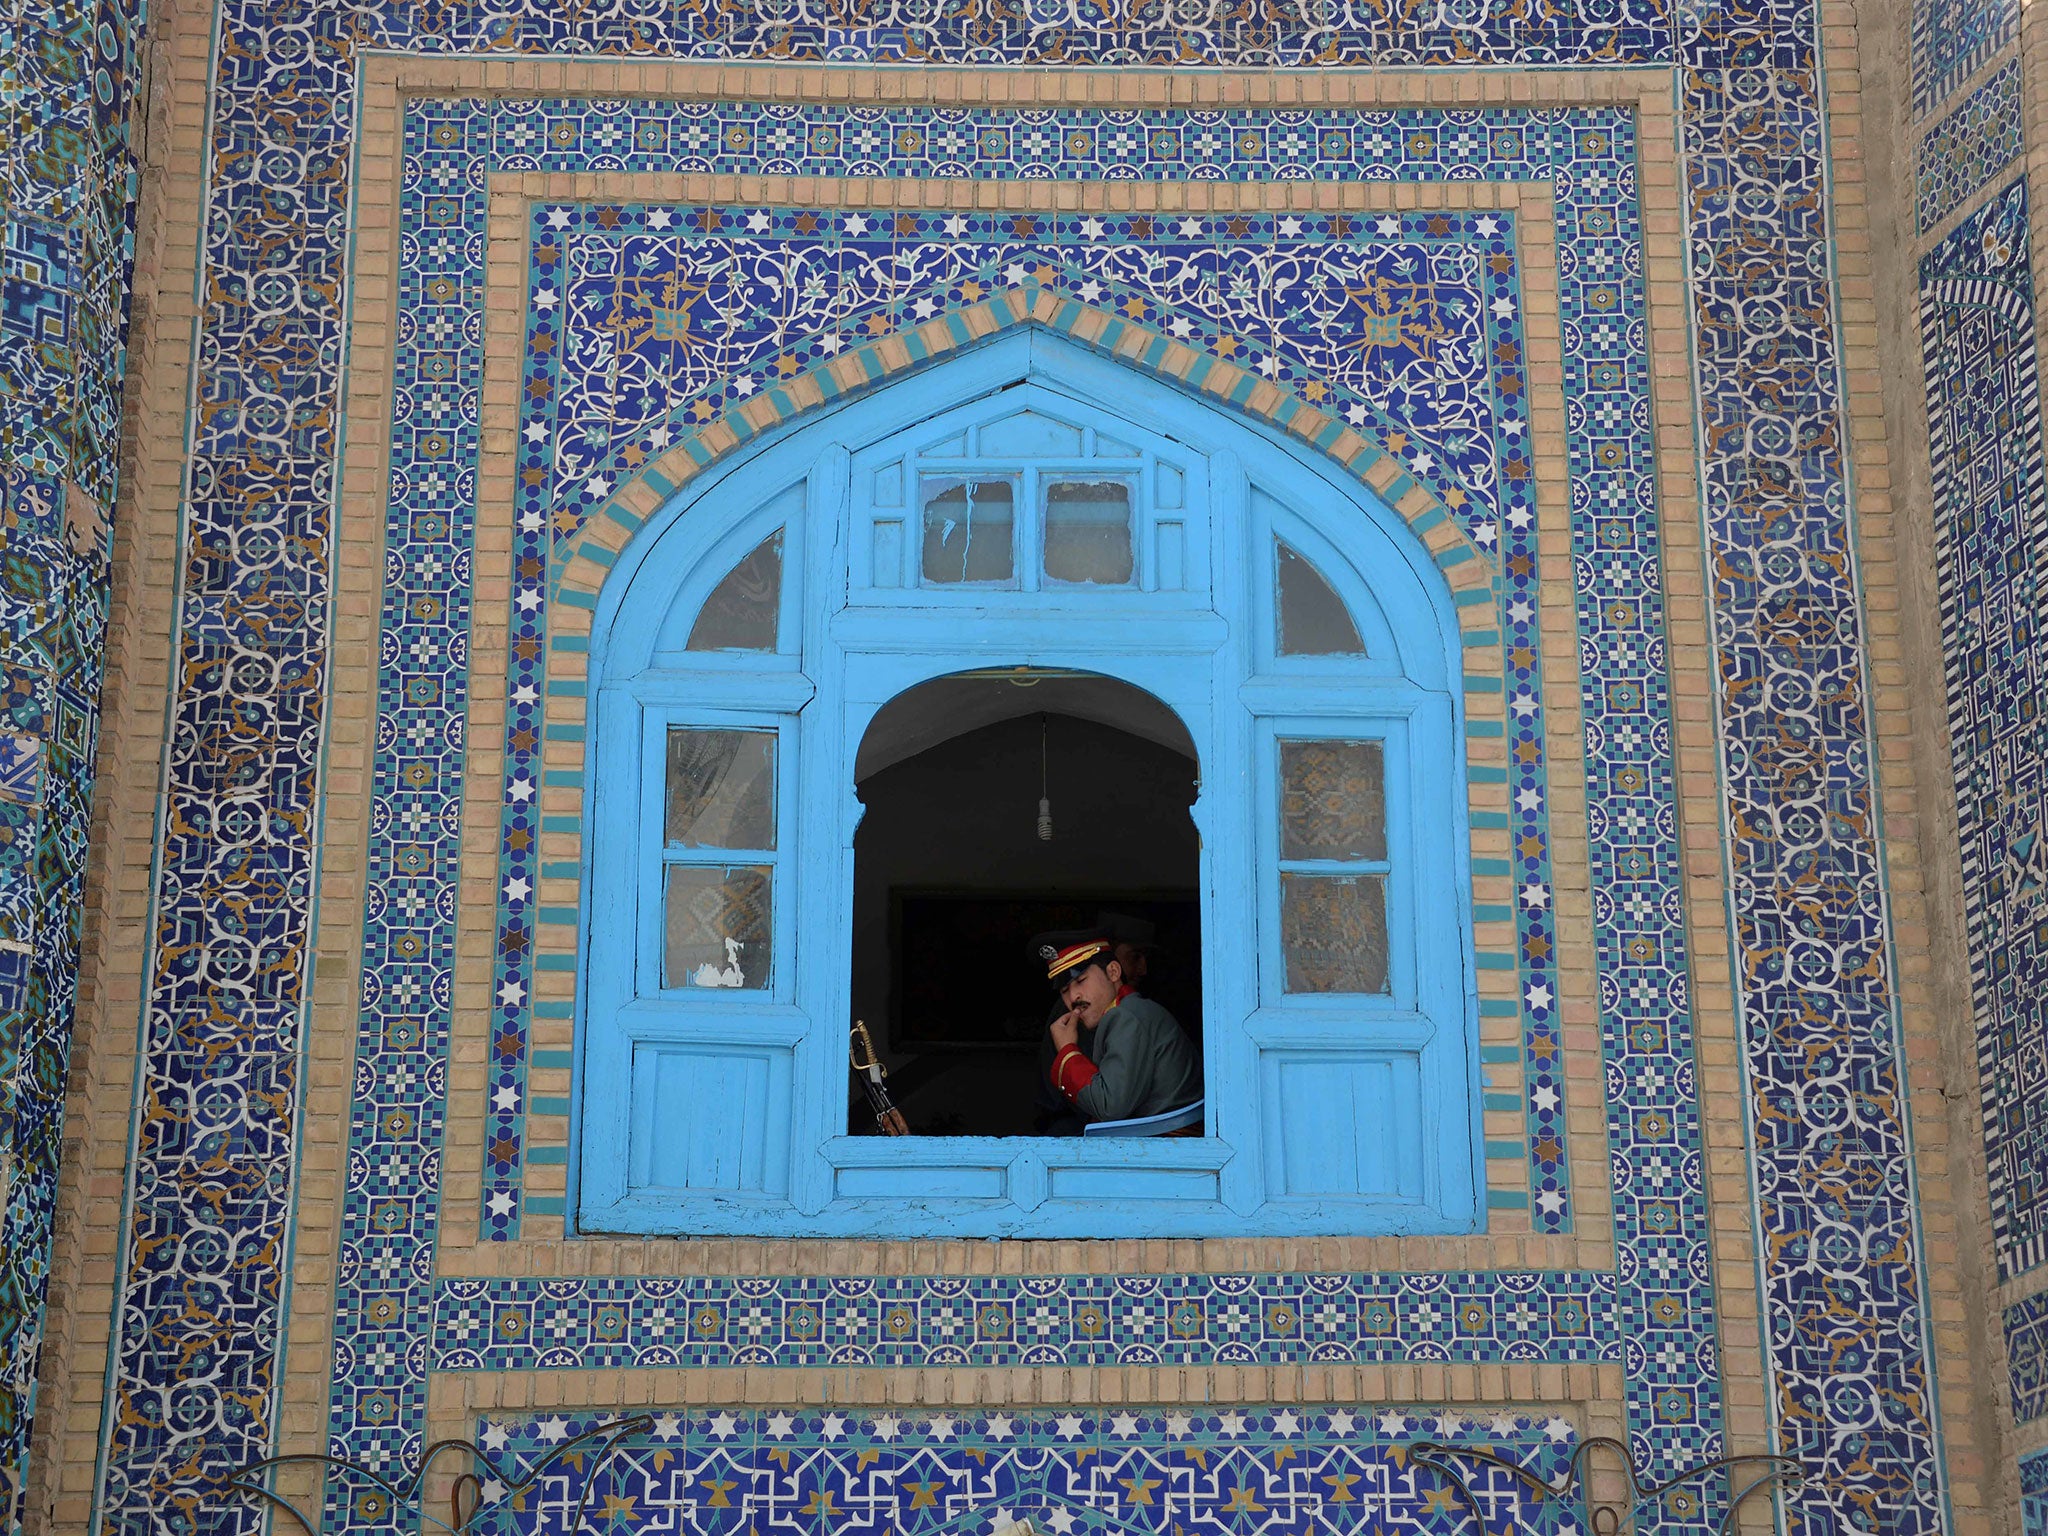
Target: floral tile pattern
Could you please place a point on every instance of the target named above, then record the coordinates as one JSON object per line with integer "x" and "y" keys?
{"x": 1969, "y": 147}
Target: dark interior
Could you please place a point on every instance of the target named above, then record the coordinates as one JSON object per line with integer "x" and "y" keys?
{"x": 952, "y": 880}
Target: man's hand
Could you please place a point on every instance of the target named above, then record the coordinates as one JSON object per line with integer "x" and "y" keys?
{"x": 1066, "y": 1031}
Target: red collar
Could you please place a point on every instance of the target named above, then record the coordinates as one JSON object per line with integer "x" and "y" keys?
{"x": 1122, "y": 992}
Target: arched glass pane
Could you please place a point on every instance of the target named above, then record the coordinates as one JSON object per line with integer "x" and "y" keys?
{"x": 740, "y": 613}
{"x": 1313, "y": 618}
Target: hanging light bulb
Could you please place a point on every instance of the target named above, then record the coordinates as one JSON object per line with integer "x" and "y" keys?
{"x": 1044, "y": 793}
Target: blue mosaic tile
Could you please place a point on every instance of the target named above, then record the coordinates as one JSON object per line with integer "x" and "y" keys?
{"x": 214, "y": 1154}
{"x": 1812, "y": 959}
{"x": 1970, "y": 146}
{"x": 1588, "y": 158}
{"x": 1157, "y": 1470}
{"x": 2034, "y": 1494}
{"x": 2026, "y": 1354}
{"x": 1952, "y": 40}
{"x": 65, "y": 246}
{"x": 1013, "y": 1320}
{"x": 1270, "y": 32}
{"x": 1991, "y": 552}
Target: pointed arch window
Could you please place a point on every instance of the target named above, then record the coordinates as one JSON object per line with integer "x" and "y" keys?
{"x": 1286, "y": 627}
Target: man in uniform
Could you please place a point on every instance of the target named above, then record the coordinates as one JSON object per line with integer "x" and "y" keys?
{"x": 1138, "y": 1061}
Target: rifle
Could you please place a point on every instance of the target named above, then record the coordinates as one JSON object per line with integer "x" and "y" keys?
{"x": 867, "y": 1066}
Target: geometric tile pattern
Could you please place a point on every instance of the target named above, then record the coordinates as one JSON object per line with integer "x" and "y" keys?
{"x": 65, "y": 242}
{"x": 2034, "y": 1494}
{"x": 1178, "y": 1472}
{"x": 1967, "y": 148}
{"x": 1991, "y": 549}
{"x": 1846, "y": 1331}
{"x": 1952, "y": 40}
{"x": 1009, "y": 1320}
{"x": 643, "y": 323}
{"x": 2026, "y": 1354}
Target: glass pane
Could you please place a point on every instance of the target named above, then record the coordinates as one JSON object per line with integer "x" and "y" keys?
{"x": 967, "y": 528}
{"x": 739, "y": 615}
{"x": 721, "y": 789}
{"x": 1313, "y": 618}
{"x": 1333, "y": 933}
{"x": 1088, "y": 531}
{"x": 1333, "y": 800}
{"x": 716, "y": 926}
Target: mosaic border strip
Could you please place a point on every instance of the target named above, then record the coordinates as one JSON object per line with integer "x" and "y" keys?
{"x": 1147, "y": 272}
{"x": 1268, "y": 33}
{"x": 2026, "y": 1356}
{"x": 1969, "y": 147}
{"x": 1952, "y": 40}
{"x": 1977, "y": 319}
{"x": 1812, "y": 939}
{"x": 1019, "y": 1320}
{"x": 68, "y": 184}
{"x": 1202, "y": 1472}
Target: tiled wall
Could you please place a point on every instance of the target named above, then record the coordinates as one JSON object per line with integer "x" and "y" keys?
{"x": 1952, "y": 40}
{"x": 1978, "y": 333}
{"x": 2034, "y": 1494}
{"x": 1966, "y": 100}
{"x": 1964, "y": 150}
{"x": 64, "y": 78}
{"x": 1445, "y": 380}
{"x": 1983, "y": 394}
{"x": 1196, "y": 1473}
{"x": 297, "y": 647}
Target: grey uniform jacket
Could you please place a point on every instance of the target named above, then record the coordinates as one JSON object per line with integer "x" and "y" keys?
{"x": 1144, "y": 1064}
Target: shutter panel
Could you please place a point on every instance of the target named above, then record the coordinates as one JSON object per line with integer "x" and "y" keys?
{"x": 689, "y": 1063}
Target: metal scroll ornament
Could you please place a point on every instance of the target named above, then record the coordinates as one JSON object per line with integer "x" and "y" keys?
{"x": 1574, "y": 1489}
{"x": 592, "y": 1450}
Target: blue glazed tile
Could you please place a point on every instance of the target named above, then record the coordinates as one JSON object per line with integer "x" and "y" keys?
{"x": 1977, "y": 330}
{"x": 1063, "y": 1471}
{"x": 1589, "y": 156}
{"x": 1969, "y": 147}
{"x": 2034, "y": 1493}
{"x": 64, "y": 267}
{"x": 618, "y": 329}
{"x": 1952, "y": 39}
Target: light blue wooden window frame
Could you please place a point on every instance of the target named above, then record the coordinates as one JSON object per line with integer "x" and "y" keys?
{"x": 764, "y": 1149}
{"x": 657, "y": 856}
